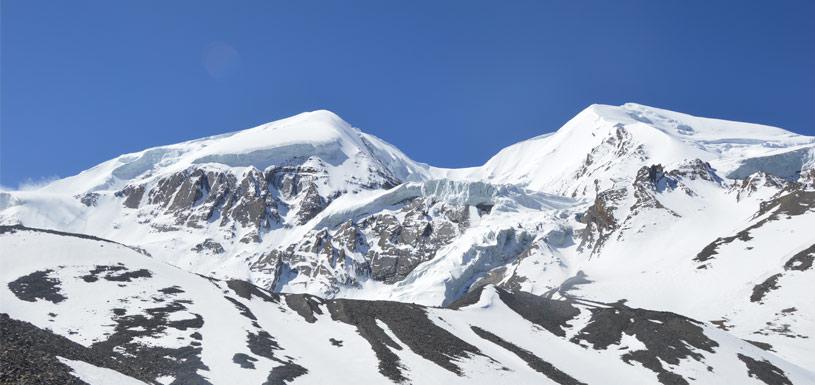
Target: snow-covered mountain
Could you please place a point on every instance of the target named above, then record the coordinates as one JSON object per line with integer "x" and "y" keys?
{"x": 627, "y": 205}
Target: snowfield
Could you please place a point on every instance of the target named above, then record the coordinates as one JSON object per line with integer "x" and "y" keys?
{"x": 633, "y": 243}
{"x": 162, "y": 324}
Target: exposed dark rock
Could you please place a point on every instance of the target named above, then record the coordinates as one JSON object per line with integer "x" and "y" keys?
{"x": 243, "y": 309}
{"x": 791, "y": 204}
{"x": 711, "y": 249}
{"x": 384, "y": 246}
{"x": 652, "y": 180}
{"x": 752, "y": 183}
{"x": 802, "y": 260}
{"x": 797, "y": 202}
{"x": 669, "y": 340}
{"x": 166, "y": 189}
{"x": 127, "y": 276}
{"x": 252, "y": 204}
{"x": 29, "y": 356}
{"x": 193, "y": 189}
{"x": 532, "y": 360}
{"x": 649, "y": 181}
{"x": 209, "y": 244}
{"x": 93, "y": 275}
{"x": 285, "y": 373}
{"x": 599, "y": 219}
{"x": 183, "y": 363}
{"x": 761, "y": 345}
{"x": 264, "y": 345}
{"x": 617, "y": 145}
{"x": 171, "y": 290}
{"x": 244, "y": 360}
{"x": 133, "y": 195}
{"x": 247, "y": 290}
{"x": 408, "y": 323}
{"x": 469, "y": 298}
{"x": 37, "y": 285}
{"x": 116, "y": 273}
{"x": 760, "y": 290}
{"x": 405, "y": 244}
{"x": 251, "y": 237}
{"x": 305, "y": 305}
{"x": 198, "y": 195}
{"x": 193, "y": 323}
{"x": 552, "y": 315}
{"x": 311, "y": 204}
{"x": 89, "y": 199}
{"x": 765, "y": 371}
{"x": 129, "y": 357}
{"x": 696, "y": 169}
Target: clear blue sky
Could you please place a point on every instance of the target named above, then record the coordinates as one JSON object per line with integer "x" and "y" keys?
{"x": 450, "y": 83}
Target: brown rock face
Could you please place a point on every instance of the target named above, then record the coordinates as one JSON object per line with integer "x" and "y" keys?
{"x": 255, "y": 199}
{"x": 599, "y": 218}
{"x": 132, "y": 195}
{"x": 260, "y": 200}
{"x": 385, "y": 247}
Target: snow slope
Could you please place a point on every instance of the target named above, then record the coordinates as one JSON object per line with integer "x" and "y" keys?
{"x": 105, "y": 313}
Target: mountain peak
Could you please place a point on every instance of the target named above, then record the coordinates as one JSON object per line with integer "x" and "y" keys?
{"x": 324, "y": 114}
{"x": 320, "y": 117}
{"x": 320, "y": 136}
{"x": 603, "y": 139}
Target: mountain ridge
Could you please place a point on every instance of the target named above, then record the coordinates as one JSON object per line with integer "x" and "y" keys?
{"x": 322, "y": 122}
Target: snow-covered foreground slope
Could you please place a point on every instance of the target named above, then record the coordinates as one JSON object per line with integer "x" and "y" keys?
{"x": 706, "y": 218}
{"x": 78, "y": 307}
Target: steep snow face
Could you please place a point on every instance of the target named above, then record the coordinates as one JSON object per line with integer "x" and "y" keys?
{"x": 606, "y": 143}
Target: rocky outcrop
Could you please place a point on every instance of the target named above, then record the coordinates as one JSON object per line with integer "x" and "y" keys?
{"x": 401, "y": 245}
{"x": 600, "y": 220}
{"x": 748, "y": 186}
{"x": 132, "y": 195}
{"x": 613, "y": 209}
{"x": 209, "y": 245}
{"x": 255, "y": 200}
{"x": 650, "y": 181}
{"x": 617, "y": 147}
{"x": 311, "y": 203}
{"x": 384, "y": 247}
